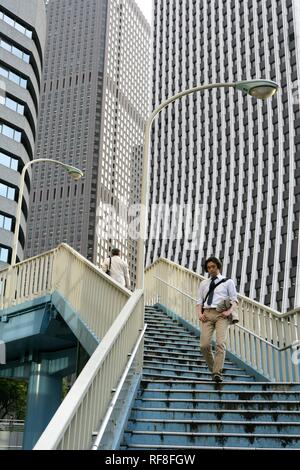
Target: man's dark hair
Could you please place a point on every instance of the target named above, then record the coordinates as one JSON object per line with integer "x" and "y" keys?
{"x": 115, "y": 252}
{"x": 213, "y": 259}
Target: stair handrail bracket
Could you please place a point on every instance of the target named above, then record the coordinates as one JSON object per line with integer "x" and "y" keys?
{"x": 264, "y": 338}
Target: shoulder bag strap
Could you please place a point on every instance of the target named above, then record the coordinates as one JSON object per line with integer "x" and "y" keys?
{"x": 213, "y": 288}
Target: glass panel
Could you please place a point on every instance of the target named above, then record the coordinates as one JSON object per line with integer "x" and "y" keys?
{"x": 3, "y": 254}
{"x": 17, "y": 136}
{"x": 1, "y": 221}
{"x": 14, "y": 78}
{"x": 14, "y": 164}
{"x": 10, "y": 193}
{"x": 26, "y": 58}
{"x": 28, "y": 33}
{"x": 20, "y": 28}
{"x": 5, "y": 160}
{"x": 8, "y": 131}
{"x": 23, "y": 83}
{"x": 17, "y": 52}
{"x": 7, "y": 223}
{"x": 4, "y": 45}
{"x": 3, "y": 72}
{"x": 20, "y": 109}
{"x": 8, "y": 20}
{"x": 11, "y": 104}
{"x": 3, "y": 190}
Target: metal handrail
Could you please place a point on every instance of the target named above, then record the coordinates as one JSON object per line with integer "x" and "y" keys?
{"x": 241, "y": 296}
{"x": 117, "y": 392}
{"x": 63, "y": 430}
{"x": 236, "y": 324}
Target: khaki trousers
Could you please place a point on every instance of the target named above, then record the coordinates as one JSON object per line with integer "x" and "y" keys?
{"x": 214, "y": 321}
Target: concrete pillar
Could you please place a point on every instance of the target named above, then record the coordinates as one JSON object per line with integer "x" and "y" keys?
{"x": 43, "y": 399}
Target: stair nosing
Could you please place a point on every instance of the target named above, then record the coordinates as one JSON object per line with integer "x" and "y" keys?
{"x": 217, "y": 421}
{"x": 189, "y": 371}
{"x": 209, "y": 410}
{"x": 216, "y": 434}
{"x": 195, "y": 400}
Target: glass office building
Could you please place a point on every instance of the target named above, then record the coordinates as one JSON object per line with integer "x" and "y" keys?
{"x": 22, "y": 37}
{"x": 95, "y": 98}
{"x": 235, "y": 157}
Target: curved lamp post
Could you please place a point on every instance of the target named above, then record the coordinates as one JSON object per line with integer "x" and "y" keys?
{"x": 260, "y": 89}
{"x": 74, "y": 172}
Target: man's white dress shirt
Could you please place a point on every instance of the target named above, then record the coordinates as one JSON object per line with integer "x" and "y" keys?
{"x": 224, "y": 291}
{"x": 118, "y": 270}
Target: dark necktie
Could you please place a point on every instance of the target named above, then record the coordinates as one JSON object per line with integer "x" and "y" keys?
{"x": 211, "y": 294}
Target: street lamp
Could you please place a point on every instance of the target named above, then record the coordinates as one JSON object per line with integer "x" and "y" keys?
{"x": 74, "y": 172}
{"x": 260, "y": 89}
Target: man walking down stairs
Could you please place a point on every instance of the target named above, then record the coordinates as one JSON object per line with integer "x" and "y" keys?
{"x": 178, "y": 406}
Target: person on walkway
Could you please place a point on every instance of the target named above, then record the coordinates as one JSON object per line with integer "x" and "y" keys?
{"x": 217, "y": 299}
{"x": 115, "y": 267}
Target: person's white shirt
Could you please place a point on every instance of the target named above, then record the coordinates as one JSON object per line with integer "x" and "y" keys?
{"x": 223, "y": 291}
{"x": 118, "y": 270}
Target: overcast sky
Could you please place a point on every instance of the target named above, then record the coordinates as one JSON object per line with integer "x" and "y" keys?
{"x": 146, "y": 7}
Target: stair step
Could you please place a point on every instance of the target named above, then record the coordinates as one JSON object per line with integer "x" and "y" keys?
{"x": 186, "y": 347}
{"x": 187, "y": 367}
{"x": 209, "y": 439}
{"x": 219, "y": 404}
{"x": 167, "y": 326}
{"x": 193, "y": 385}
{"x": 178, "y": 406}
{"x": 171, "y": 337}
{"x": 176, "y": 354}
{"x": 152, "y": 372}
{"x": 220, "y": 394}
{"x": 154, "y": 359}
{"x": 217, "y": 426}
{"x": 224, "y": 415}
{"x": 184, "y": 360}
{"x": 192, "y": 447}
{"x": 172, "y": 341}
{"x": 171, "y": 328}
{"x": 179, "y": 346}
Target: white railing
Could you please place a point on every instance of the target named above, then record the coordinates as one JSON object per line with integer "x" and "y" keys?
{"x": 106, "y": 425}
{"x": 89, "y": 291}
{"x": 264, "y": 338}
{"x": 85, "y": 407}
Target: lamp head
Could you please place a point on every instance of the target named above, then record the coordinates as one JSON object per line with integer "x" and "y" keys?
{"x": 260, "y": 89}
{"x": 75, "y": 173}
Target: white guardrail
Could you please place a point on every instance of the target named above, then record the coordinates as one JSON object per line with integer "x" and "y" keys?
{"x": 112, "y": 312}
{"x": 90, "y": 292}
{"x": 265, "y": 339}
{"x": 86, "y": 405}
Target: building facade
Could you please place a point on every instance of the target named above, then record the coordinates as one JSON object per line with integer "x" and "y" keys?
{"x": 22, "y": 39}
{"x": 235, "y": 157}
{"x": 95, "y": 97}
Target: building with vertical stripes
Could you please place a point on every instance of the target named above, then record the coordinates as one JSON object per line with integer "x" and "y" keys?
{"x": 95, "y": 97}
{"x": 234, "y": 156}
{"x": 22, "y": 38}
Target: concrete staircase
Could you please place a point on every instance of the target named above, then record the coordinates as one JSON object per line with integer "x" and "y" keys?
{"x": 178, "y": 406}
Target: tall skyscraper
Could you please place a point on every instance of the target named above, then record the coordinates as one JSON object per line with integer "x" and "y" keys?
{"x": 94, "y": 103}
{"x": 237, "y": 157}
{"x": 22, "y": 38}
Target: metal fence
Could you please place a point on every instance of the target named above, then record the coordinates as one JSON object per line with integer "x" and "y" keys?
{"x": 265, "y": 339}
